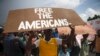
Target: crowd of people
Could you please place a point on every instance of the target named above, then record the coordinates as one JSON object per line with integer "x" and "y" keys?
{"x": 47, "y": 42}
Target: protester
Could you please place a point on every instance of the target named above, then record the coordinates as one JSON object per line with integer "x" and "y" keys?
{"x": 98, "y": 43}
{"x": 79, "y": 37}
{"x": 69, "y": 47}
{"x": 30, "y": 50}
{"x": 17, "y": 47}
{"x": 1, "y": 43}
{"x": 72, "y": 48}
{"x": 92, "y": 41}
{"x": 64, "y": 49}
{"x": 48, "y": 46}
{"x": 1, "y": 47}
{"x": 85, "y": 46}
{"x": 46, "y": 43}
{"x": 13, "y": 46}
{"x": 35, "y": 51}
{"x": 26, "y": 35}
{"x": 7, "y": 41}
{"x": 55, "y": 33}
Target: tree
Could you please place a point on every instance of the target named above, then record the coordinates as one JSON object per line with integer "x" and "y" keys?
{"x": 89, "y": 19}
{"x": 93, "y": 18}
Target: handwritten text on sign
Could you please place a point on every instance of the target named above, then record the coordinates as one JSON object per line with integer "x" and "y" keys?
{"x": 46, "y": 20}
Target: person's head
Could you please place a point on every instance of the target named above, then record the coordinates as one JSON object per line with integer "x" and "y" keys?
{"x": 85, "y": 36}
{"x": 1, "y": 30}
{"x": 15, "y": 33}
{"x": 10, "y": 33}
{"x": 48, "y": 34}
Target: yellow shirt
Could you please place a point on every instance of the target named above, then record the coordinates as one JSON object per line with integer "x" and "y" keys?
{"x": 48, "y": 48}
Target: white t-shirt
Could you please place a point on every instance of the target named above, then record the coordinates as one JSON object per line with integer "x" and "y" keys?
{"x": 78, "y": 39}
{"x": 59, "y": 42}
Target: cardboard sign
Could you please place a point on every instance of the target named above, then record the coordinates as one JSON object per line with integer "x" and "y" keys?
{"x": 64, "y": 30}
{"x": 95, "y": 23}
{"x": 40, "y": 18}
{"x": 86, "y": 29}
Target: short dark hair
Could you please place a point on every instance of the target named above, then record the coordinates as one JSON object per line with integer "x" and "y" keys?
{"x": 48, "y": 30}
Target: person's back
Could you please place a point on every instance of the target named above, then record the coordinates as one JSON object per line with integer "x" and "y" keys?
{"x": 48, "y": 44}
{"x": 7, "y": 41}
{"x": 50, "y": 47}
{"x": 17, "y": 48}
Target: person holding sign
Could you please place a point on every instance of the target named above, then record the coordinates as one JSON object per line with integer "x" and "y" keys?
{"x": 48, "y": 46}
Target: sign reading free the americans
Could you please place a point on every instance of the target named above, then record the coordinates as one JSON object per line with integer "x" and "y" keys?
{"x": 40, "y": 18}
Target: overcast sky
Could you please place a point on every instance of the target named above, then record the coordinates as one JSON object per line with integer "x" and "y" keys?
{"x": 84, "y": 8}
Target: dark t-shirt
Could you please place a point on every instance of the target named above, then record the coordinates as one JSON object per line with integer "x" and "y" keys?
{"x": 17, "y": 47}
